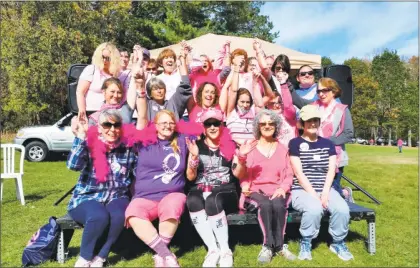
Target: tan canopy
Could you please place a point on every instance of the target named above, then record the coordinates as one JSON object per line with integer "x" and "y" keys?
{"x": 209, "y": 44}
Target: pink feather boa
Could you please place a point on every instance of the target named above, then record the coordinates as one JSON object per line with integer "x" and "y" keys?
{"x": 131, "y": 136}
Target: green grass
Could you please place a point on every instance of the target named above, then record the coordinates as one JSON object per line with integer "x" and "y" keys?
{"x": 389, "y": 176}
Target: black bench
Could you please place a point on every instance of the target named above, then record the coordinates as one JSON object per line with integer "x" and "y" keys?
{"x": 357, "y": 213}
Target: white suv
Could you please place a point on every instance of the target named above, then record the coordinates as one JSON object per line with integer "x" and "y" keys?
{"x": 39, "y": 141}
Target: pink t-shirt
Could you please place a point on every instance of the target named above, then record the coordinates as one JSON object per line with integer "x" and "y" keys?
{"x": 198, "y": 76}
{"x": 96, "y": 77}
{"x": 268, "y": 174}
{"x": 197, "y": 111}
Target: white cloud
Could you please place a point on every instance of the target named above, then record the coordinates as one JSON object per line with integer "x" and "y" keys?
{"x": 368, "y": 26}
{"x": 411, "y": 48}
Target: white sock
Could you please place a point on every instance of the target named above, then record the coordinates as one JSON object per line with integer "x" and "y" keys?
{"x": 220, "y": 228}
{"x": 204, "y": 229}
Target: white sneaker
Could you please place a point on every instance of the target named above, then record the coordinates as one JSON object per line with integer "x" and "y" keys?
{"x": 171, "y": 261}
{"x": 97, "y": 262}
{"x": 82, "y": 262}
{"x": 212, "y": 259}
{"x": 226, "y": 258}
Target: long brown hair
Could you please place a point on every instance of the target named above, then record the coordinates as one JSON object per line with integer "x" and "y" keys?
{"x": 200, "y": 94}
{"x": 174, "y": 139}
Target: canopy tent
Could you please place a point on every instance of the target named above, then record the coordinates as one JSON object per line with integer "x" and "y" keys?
{"x": 210, "y": 43}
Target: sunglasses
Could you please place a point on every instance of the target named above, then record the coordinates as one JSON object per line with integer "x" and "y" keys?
{"x": 151, "y": 69}
{"x": 106, "y": 58}
{"x": 108, "y": 125}
{"x": 324, "y": 90}
{"x": 208, "y": 124}
{"x": 306, "y": 73}
{"x": 271, "y": 124}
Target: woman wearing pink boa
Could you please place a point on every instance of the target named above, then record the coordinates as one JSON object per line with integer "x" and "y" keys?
{"x": 212, "y": 167}
{"x": 336, "y": 125}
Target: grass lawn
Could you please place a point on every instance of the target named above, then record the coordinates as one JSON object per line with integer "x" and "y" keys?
{"x": 389, "y": 176}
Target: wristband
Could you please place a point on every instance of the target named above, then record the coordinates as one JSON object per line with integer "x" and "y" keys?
{"x": 241, "y": 158}
{"x": 193, "y": 163}
{"x": 140, "y": 94}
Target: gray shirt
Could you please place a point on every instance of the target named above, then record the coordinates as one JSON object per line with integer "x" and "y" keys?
{"x": 176, "y": 104}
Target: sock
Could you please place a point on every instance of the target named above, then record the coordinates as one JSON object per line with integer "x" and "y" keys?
{"x": 166, "y": 239}
{"x": 204, "y": 229}
{"x": 159, "y": 247}
{"x": 220, "y": 228}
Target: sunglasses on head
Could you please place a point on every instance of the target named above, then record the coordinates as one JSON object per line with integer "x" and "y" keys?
{"x": 324, "y": 90}
{"x": 306, "y": 73}
{"x": 270, "y": 124}
{"x": 110, "y": 125}
{"x": 212, "y": 123}
{"x": 106, "y": 58}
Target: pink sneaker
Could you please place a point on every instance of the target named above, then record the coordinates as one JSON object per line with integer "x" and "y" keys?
{"x": 159, "y": 262}
{"x": 171, "y": 261}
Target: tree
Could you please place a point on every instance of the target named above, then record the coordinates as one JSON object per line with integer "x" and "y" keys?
{"x": 364, "y": 109}
{"x": 389, "y": 72}
{"x": 325, "y": 61}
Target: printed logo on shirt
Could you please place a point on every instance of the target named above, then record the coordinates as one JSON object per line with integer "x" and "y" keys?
{"x": 304, "y": 146}
{"x": 317, "y": 157}
{"x": 169, "y": 173}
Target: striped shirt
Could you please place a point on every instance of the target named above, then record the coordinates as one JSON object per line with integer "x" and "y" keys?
{"x": 240, "y": 128}
{"x": 121, "y": 161}
{"x": 314, "y": 157}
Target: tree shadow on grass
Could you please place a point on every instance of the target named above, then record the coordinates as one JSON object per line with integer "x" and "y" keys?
{"x": 31, "y": 198}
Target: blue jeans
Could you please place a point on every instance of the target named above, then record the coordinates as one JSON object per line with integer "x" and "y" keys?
{"x": 96, "y": 217}
{"x": 337, "y": 181}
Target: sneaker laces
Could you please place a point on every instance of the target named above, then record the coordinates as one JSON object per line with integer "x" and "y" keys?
{"x": 264, "y": 251}
{"x": 305, "y": 246}
{"x": 342, "y": 247}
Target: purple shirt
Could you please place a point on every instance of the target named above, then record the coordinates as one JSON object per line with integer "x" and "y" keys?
{"x": 159, "y": 170}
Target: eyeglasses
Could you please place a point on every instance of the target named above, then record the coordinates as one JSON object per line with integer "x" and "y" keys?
{"x": 324, "y": 90}
{"x": 108, "y": 125}
{"x": 270, "y": 124}
{"x": 106, "y": 58}
{"x": 306, "y": 73}
{"x": 166, "y": 124}
{"x": 208, "y": 124}
{"x": 274, "y": 103}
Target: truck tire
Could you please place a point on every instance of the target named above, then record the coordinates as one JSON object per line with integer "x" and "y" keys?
{"x": 36, "y": 151}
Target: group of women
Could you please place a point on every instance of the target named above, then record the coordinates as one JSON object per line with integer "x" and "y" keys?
{"x": 242, "y": 131}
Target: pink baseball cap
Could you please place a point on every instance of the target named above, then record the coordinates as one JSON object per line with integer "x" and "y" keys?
{"x": 211, "y": 113}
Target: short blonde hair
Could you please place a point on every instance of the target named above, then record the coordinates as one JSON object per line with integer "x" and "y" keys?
{"x": 331, "y": 84}
{"x": 174, "y": 141}
{"x": 115, "y": 65}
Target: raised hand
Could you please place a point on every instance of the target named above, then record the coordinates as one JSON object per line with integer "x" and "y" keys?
{"x": 226, "y": 46}
{"x": 282, "y": 77}
{"x": 256, "y": 45}
{"x": 247, "y": 147}
{"x": 192, "y": 147}
{"x": 257, "y": 75}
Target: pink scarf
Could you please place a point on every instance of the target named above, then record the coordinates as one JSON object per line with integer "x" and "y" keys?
{"x": 95, "y": 115}
{"x": 249, "y": 114}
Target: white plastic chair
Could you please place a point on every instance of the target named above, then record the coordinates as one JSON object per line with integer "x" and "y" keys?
{"x": 9, "y": 172}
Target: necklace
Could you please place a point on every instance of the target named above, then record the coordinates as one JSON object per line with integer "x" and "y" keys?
{"x": 269, "y": 150}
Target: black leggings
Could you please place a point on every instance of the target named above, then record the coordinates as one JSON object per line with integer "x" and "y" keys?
{"x": 272, "y": 216}
{"x": 223, "y": 197}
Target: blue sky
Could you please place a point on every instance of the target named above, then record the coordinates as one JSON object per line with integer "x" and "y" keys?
{"x": 341, "y": 30}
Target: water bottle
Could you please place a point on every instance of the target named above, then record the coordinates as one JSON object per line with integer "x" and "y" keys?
{"x": 206, "y": 190}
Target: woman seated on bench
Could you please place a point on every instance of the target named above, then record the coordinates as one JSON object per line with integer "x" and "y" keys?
{"x": 159, "y": 187}
{"x": 313, "y": 160}
{"x": 269, "y": 177}
{"x": 98, "y": 201}
{"x": 214, "y": 193}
